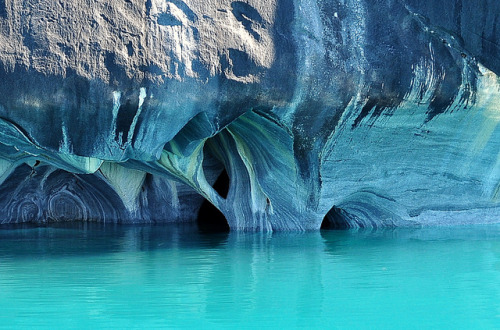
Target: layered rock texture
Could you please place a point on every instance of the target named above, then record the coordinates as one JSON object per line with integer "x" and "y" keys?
{"x": 347, "y": 113}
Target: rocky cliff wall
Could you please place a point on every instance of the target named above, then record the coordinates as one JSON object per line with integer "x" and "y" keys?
{"x": 344, "y": 113}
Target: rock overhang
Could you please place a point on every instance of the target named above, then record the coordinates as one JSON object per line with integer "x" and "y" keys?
{"x": 382, "y": 110}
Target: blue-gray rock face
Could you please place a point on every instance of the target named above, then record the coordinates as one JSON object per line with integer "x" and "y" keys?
{"x": 352, "y": 113}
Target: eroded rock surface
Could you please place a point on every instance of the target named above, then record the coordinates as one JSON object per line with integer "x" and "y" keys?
{"x": 350, "y": 113}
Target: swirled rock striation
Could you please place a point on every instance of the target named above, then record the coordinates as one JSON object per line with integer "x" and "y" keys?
{"x": 312, "y": 114}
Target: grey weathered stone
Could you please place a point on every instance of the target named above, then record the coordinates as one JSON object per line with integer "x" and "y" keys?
{"x": 374, "y": 113}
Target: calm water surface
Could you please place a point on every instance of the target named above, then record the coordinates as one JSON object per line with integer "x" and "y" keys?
{"x": 100, "y": 276}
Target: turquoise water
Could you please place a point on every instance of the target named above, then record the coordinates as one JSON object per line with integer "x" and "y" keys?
{"x": 143, "y": 277}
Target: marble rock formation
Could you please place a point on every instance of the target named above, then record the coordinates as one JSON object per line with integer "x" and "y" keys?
{"x": 333, "y": 113}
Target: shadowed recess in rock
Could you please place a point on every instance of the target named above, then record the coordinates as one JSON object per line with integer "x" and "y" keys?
{"x": 337, "y": 219}
{"x": 210, "y": 219}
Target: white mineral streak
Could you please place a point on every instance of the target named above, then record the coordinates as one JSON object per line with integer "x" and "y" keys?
{"x": 425, "y": 80}
{"x": 142, "y": 96}
{"x": 116, "y": 107}
{"x": 65, "y": 145}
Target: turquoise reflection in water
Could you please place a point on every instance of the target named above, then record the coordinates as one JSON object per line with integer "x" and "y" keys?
{"x": 158, "y": 276}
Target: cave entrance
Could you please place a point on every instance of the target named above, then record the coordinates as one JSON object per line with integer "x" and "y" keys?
{"x": 210, "y": 219}
{"x": 335, "y": 219}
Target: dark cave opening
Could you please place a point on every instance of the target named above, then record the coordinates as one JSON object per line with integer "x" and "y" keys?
{"x": 335, "y": 219}
{"x": 221, "y": 185}
{"x": 210, "y": 219}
